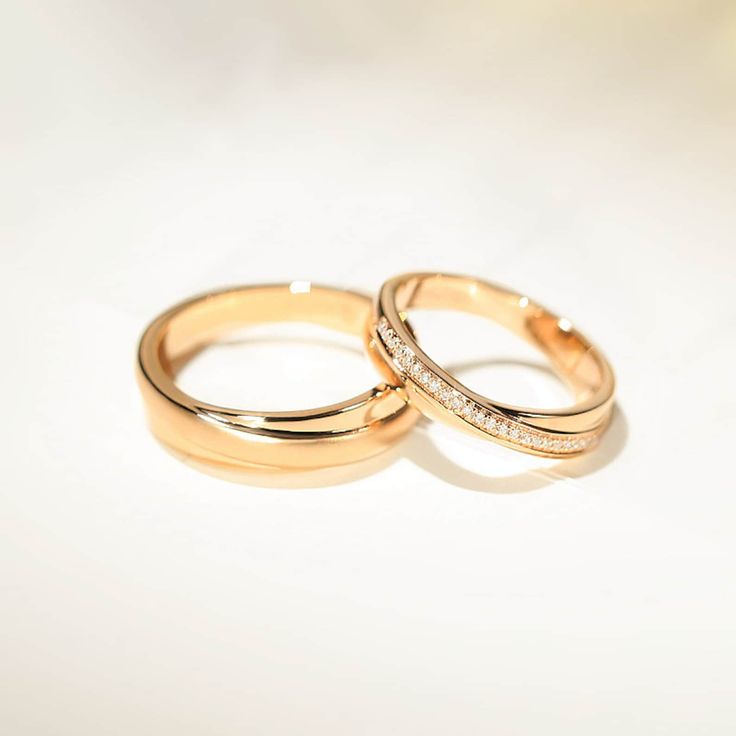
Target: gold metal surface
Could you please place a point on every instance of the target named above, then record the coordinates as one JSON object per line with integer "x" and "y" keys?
{"x": 339, "y": 434}
{"x": 579, "y": 364}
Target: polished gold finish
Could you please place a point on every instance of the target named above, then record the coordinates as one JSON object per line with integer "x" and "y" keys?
{"x": 256, "y": 440}
{"x": 550, "y": 433}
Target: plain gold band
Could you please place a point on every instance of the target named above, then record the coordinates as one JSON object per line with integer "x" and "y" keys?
{"x": 552, "y": 433}
{"x": 339, "y": 434}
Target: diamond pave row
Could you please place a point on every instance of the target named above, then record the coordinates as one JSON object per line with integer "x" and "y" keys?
{"x": 489, "y": 422}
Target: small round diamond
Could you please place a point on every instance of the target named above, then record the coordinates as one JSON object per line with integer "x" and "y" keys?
{"x": 405, "y": 358}
{"x": 456, "y": 401}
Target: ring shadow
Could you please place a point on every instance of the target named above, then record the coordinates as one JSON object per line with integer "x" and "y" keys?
{"x": 418, "y": 448}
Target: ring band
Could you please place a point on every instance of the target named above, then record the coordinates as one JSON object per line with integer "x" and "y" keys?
{"x": 437, "y": 394}
{"x": 342, "y": 433}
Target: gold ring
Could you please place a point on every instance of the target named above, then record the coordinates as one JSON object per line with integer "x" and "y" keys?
{"x": 358, "y": 428}
{"x": 438, "y": 395}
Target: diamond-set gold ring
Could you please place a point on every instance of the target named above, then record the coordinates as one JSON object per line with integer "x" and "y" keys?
{"x": 439, "y": 395}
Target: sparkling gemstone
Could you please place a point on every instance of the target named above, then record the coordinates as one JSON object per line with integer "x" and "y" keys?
{"x": 405, "y": 361}
{"x": 456, "y": 401}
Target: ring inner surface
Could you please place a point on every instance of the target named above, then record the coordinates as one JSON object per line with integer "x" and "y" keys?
{"x": 202, "y": 322}
{"x": 578, "y": 363}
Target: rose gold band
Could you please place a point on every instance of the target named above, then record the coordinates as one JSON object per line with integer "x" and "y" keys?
{"x": 552, "y": 433}
{"x": 357, "y": 428}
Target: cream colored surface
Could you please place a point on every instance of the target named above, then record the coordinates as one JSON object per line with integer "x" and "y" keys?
{"x": 581, "y": 152}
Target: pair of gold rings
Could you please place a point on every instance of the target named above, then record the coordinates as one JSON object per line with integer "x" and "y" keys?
{"x": 367, "y": 424}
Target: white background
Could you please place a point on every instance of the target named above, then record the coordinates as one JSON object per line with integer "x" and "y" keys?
{"x": 583, "y": 153}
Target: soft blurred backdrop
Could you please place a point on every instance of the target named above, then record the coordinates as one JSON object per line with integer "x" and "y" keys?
{"x": 584, "y": 152}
